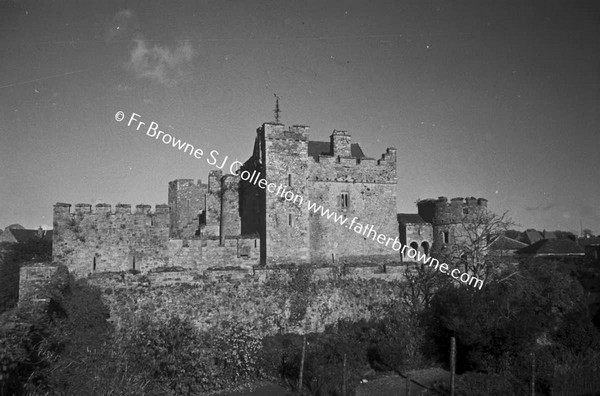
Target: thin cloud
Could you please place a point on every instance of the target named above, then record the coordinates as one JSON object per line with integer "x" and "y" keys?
{"x": 160, "y": 63}
{"x": 540, "y": 208}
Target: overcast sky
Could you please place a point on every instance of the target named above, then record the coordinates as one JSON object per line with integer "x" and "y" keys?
{"x": 496, "y": 99}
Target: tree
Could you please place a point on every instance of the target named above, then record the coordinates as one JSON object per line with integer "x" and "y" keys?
{"x": 496, "y": 325}
{"x": 587, "y": 233}
{"x": 474, "y": 234}
{"x": 565, "y": 235}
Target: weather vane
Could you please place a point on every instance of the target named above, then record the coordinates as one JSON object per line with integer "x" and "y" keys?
{"x": 277, "y": 109}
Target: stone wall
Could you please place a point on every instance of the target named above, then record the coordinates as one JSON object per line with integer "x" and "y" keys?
{"x": 287, "y": 226}
{"x": 372, "y": 204}
{"x": 265, "y": 299}
{"x": 89, "y": 241}
{"x": 102, "y": 240}
{"x": 419, "y": 235}
{"x": 32, "y": 280}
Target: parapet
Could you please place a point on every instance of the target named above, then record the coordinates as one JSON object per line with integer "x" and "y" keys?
{"x": 389, "y": 156}
{"x": 182, "y": 183}
{"x": 440, "y": 211}
{"x": 62, "y": 208}
{"x": 278, "y": 131}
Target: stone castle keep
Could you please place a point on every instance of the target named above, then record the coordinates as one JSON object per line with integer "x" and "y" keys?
{"x": 230, "y": 222}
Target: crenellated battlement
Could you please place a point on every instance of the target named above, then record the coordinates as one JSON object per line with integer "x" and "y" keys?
{"x": 444, "y": 211}
{"x": 274, "y": 131}
{"x": 353, "y": 169}
{"x": 64, "y": 209}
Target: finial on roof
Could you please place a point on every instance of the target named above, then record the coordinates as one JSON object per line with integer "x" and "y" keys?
{"x": 277, "y": 109}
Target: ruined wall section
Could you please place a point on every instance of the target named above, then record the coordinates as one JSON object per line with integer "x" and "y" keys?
{"x": 187, "y": 201}
{"x": 446, "y": 217}
{"x": 286, "y": 164}
{"x": 230, "y": 221}
{"x": 370, "y": 188}
{"x": 213, "y": 205}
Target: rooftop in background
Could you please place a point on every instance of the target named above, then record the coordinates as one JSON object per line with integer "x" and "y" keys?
{"x": 533, "y": 236}
{"x": 22, "y": 235}
{"x": 324, "y": 148}
{"x": 505, "y": 243}
{"x": 410, "y": 218}
{"x": 553, "y": 247}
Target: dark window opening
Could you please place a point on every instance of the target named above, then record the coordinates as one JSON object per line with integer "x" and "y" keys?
{"x": 290, "y": 219}
{"x": 290, "y": 180}
{"x": 425, "y": 246}
{"x": 446, "y": 236}
{"x": 415, "y": 246}
{"x": 94, "y": 265}
{"x": 345, "y": 200}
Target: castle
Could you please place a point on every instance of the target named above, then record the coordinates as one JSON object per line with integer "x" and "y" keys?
{"x": 230, "y": 221}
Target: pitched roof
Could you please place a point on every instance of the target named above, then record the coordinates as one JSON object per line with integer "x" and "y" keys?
{"x": 549, "y": 235}
{"x": 410, "y": 218}
{"x": 28, "y": 235}
{"x": 505, "y": 243}
{"x": 317, "y": 148}
{"x": 553, "y": 247}
{"x": 533, "y": 236}
{"x": 588, "y": 241}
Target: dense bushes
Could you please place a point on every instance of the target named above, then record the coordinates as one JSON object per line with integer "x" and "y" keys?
{"x": 180, "y": 360}
{"x": 393, "y": 343}
{"x": 534, "y": 309}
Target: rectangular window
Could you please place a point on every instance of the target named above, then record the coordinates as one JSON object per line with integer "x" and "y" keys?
{"x": 446, "y": 237}
{"x": 290, "y": 219}
{"x": 290, "y": 180}
{"x": 345, "y": 200}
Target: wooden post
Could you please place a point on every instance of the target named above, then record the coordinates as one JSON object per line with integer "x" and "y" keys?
{"x": 344, "y": 377}
{"x": 532, "y": 373}
{"x": 301, "y": 365}
{"x": 452, "y": 364}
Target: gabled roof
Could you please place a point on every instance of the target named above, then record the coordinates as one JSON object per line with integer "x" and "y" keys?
{"x": 317, "y": 148}
{"x": 505, "y": 243}
{"x": 553, "y": 247}
{"x": 28, "y": 235}
{"x": 410, "y": 218}
{"x": 533, "y": 236}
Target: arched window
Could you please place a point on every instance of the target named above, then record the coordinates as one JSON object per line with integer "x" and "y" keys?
{"x": 425, "y": 246}
{"x": 415, "y": 246}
